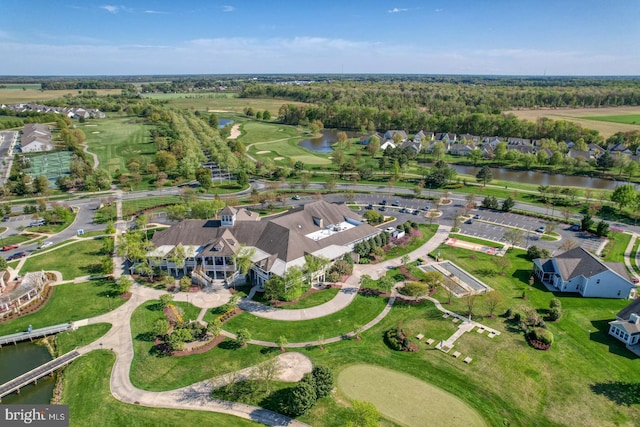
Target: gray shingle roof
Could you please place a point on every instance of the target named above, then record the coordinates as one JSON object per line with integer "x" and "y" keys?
{"x": 578, "y": 262}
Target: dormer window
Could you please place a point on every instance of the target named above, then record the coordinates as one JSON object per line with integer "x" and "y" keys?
{"x": 217, "y": 248}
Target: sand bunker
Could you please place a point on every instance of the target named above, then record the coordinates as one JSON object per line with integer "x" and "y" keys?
{"x": 235, "y": 132}
{"x": 96, "y": 132}
{"x": 263, "y": 152}
{"x": 278, "y": 158}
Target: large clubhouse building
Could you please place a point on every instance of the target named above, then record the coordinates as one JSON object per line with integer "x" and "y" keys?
{"x": 319, "y": 229}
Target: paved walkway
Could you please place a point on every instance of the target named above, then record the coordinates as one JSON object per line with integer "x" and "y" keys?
{"x": 628, "y": 254}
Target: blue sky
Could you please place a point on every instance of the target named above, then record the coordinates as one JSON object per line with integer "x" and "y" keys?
{"x": 505, "y": 37}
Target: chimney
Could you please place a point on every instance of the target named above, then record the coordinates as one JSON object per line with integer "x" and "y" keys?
{"x": 633, "y": 318}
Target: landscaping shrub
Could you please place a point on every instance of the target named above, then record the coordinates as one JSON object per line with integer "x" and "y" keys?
{"x": 302, "y": 397}
{"x": 555, "y": 302}
{"x": 535, "y": 252}
{"x": 397, "y": 340}
{"x": 415, "y": 289}
{"x": 540, "y": 338}
{"x": 555, "y": 314}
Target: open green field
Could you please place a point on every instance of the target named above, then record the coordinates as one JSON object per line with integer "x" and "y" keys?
{"x": 14, "y": 94}
{"x": 220, "y": 102}
{"x": 82, "y": 258}
{"x": 118, "y": 139}
{"x": 314, "y": 299}
{"x": 361, "y": 311}
{"x": 86, "y": 391}
{"x": 155, "y": 371}
{"x": 614, "y": 251}
{"x": 67, "y": 341}
{"x": 69, "y": 302}
{"x": 405, "y": 399}
{"x": 631, "y": 119}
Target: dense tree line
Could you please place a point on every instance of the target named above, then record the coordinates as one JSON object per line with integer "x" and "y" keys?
{"x": 85, "y": 84}
{"x": 482, "y": 96}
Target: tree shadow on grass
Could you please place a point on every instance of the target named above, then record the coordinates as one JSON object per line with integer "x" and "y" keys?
{"x": 229, "y": 345}
{"x": 269, "y": 350}
{"x": 155, "y": 307}
{"x": 620, "y": 392}
{"x": 602, "y": 336}
{"x": 146, "y": 337}
{"x": 276, "y": 400}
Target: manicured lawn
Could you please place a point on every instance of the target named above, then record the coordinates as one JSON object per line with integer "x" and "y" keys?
{"x": 15, "y": 239}
{"x": 77, "y": 259}
{"x": 154, "y": 371}
{"x": 67, "y": 341}
{"x": 69, "y": 302}
{"x": 116, "y": 140}
{"x": 471, "y": 239}
{"x": 314, "y": 299}
{"x": 634, "y": 250}
{"x": 361, "y": 311}
{"x": 86, "y": 391}
{"x": 614, "y": 251}
{"x": 220, "y": 101}
{"x": 405, "y": 399}
{"x": 131, "y": 207}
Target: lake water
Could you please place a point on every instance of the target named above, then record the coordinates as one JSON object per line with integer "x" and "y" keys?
{"x": 323, "y": 143}
{"x": 224, "y": 122}
{"x": 543, "y": 178}
{"x": 15, "y": 360}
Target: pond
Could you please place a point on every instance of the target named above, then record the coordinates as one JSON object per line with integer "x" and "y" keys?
{"x": 543, "y": 178}
{"x": 18, "y": 359}
{"x": 323, "y": 143}
{"x": 224, "y": 122}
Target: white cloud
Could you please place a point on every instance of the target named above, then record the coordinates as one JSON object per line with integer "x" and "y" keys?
{"x": 438, "y": 10}
{"x": 396, "y": 10}
{"x": 228, "y": 8}
{"x": 110, "y": 8}
{"x": 298, "y": 55}
{"x": 155, "y": 12}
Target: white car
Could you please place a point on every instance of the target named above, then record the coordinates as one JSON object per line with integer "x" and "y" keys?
{"x": 541, "y": 229}
{"x": 45, "y": 245}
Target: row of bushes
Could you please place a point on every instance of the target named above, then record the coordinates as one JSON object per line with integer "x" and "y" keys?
{"x": 397, "y": 340}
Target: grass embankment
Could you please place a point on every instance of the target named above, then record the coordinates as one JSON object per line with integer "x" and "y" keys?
{"x": 134, "y": 206}
{"x": 15, "y": 239}
{"x": 67, "y": 341}
{"x": 155, "y": 371}
{"x": 471, "y": 239}
{"x": 86, "y": 388}
{"x": 427, "y": 231}
{"x": 69, "y": 302}
{"x": 614, "y": 251}
{"x": 81, "y": 258}
{"x": 361, "y": 311}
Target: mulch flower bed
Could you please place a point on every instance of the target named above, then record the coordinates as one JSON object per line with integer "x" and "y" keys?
{"x": 34, "y": 306}
{"x": 538, "y": 345}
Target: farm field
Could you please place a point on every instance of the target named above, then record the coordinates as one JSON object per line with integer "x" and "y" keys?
{"x": 220, "y": 102}
{"x": 585, "y": 117}
{"x": 14, "y": 94}
{"x": 116, "y": 140}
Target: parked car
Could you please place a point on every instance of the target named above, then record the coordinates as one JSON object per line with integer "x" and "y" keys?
{"x": 45, "y": 245}
{"x": 541, "y": 229}
{"x": 296, "y": 197}
{"x": 384, "y": 202}
{"x": 426, "y": 208}
{"x": 9, "y": 247}
{"x": 575, "y": 227}
{"x": 5, "y": 218}
{"x": 476, "y": 216}
{"x": 469, "y": 221}
{"x": 403, "y": 210}
{"x": 635, "y": 280}
{"x": 396, "y": 203}
{"x": 17, "y": 255}
{"x": 416, "y": 212}
{"x": 369, "y": 206}
{"x": 37, "y": 223}
{"x": 382, "y": 209}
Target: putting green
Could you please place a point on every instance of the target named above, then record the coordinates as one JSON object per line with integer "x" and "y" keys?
{"x": 406, "y": 400}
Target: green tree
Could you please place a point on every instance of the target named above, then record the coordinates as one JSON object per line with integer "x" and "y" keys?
{"x": 586, "y": 223}
{"x": 508, "y": 204}
{"x": 515, "y": 236}
{"x": 282, "y": 342}
{"x": 323, "y": 377}
{"x": 484, "y": 175}
{"x": 165, "y": 300}
{"x": 124, "y": 284}
{"x": 215, "y": 327}
{"x": 161, "y": 327}
{"x": 623, "y": 195}
{"x": 438, "y": 149}
{"x": 302, "y": 397}
{"x": 602, "y": 229}
{"x": 185, "y": 283}
{"x": 243, "y": 336}
{"x": 203, "y": 176}
{"x": 242, "y": 259}
{"x": 242, "y": 178}
{"x": 363, "y": 414}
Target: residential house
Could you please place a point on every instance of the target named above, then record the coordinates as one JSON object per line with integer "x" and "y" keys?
{"x": 577, "y": 270}
{"x": 469, "y": 139}
{"x": 626, "y": 327}
{"x": 460, "y": 149}
{"x": 492, "y": 140}
{"x": 619, "y": 149}
{"x": 35, "y": 137}
{"x": 595, "y": 150}
{"x": 414, "y": 145}
{"x": 387, "y": 144}
{"x": 518, "y": 142}
{"x": 446, "y": 137}
{"x": 364, "y": 140}
{"x": 319, "y": 229}
{"x": 391, "y": 133}
{"x": 579, "y": 155}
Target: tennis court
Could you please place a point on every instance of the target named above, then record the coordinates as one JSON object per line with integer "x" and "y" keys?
{"x": 51, "y": 165}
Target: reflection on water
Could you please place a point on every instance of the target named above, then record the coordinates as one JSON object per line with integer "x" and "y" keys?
{"x": 15, "y": 360}
{"x": 323, "y": 143}
{"x": 543, "y": 178}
